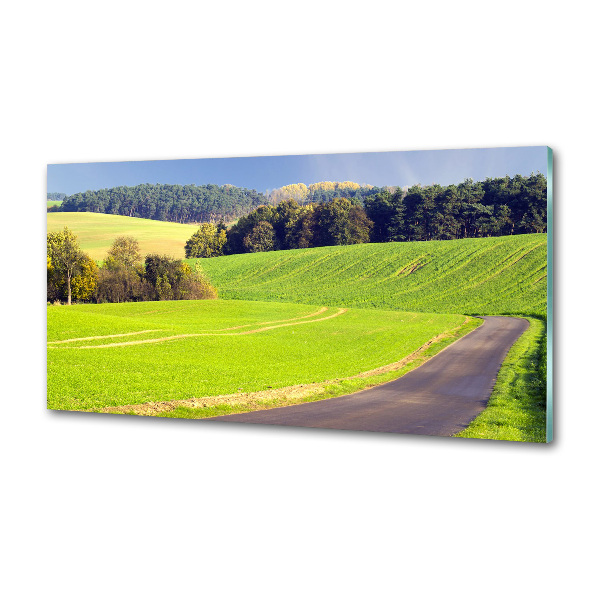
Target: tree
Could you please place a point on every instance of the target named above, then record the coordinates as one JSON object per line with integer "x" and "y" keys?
{"x": 120, "y": 278}
{"x": 261, "y": 238}
{"x": 306, "y": 229}
{"x": 156, "y": 268}
{"x": 119, "y": 283}
{"x": 171, "y": 279}
{"x": 52, "y": 289}
{"x": 295, "y": 191}
{"x": 65, "y": 257}
{"x": 84, "y": 283}
{"x": 360, "y": 226}
{"x": 193, "y": 285}
{"x": 386, "y": 211}
{"x": 470, "y": 207}
{"x": 206, "y": 242}
{"x": 444, "y": 223}
{"x": 420, "y": 203}
{"x": 334, "y": 222}
{"x": 238, "y": 233}
{"x": 125, "y": 251}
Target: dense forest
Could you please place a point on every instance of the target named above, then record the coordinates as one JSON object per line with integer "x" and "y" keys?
{"x": 494, "y": 207}
{"x": 163, "y": 202}
{"x": 499, "y": 206}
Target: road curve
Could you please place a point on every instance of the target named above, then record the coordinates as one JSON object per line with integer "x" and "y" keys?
{"x": 441, "y": 397}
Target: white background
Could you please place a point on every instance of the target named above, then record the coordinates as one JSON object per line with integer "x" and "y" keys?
{"x": 118, "y": 507}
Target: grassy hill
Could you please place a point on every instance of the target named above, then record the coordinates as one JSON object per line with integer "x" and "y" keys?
{"x": 300, "y": 325}
{"x": 96, "y": 232}
{"x": 501, "y": 275}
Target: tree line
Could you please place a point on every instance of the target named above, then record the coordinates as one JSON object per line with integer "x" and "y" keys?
{"x": 122, "y": 277}
{"x": 202, "y": 203}
{"x": 164, "y": 202}
{"x": 494, "y": 207}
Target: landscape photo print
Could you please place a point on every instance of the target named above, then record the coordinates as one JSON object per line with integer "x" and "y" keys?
{"x": 398, "y": 292}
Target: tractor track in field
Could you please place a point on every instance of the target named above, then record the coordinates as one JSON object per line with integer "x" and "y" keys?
{"x": 287, "y": 323}
{"x": 103, "y": 337}
{"x": 292, "y": 394}
{"x": 314, "y": 314}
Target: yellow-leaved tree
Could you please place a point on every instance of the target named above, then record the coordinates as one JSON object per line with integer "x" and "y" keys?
{"x": 84, "y": 283}
{"x": 207, "y": 241}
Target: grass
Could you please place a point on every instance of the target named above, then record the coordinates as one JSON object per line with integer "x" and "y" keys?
{"x": 96, "y": 232}
{"x": 517, "y": 407}
{"x": 50, "y": 203}
{"x": 208, "y": 358}
{"x": 400, "y": 295}
{"x": 206, "y": 408}
{"x": 504, "y": 275}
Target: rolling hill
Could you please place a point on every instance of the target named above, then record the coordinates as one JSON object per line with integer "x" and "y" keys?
{"x": 96, "y": 232}
{"x": 499, "y": 275}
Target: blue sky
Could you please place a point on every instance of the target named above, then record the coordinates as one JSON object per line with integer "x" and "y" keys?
{"x": 270, "y": 172}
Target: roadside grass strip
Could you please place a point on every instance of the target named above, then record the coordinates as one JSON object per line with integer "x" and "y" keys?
{"x": 516, "y": 410}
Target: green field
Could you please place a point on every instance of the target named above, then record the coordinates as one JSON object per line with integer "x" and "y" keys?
{"x": 502, "y": 275}
{"x": 302, "y": 325}
{"x": 50, "y": 203}
{"x": 126, "y": 354}
{"x": 96, "y": 232}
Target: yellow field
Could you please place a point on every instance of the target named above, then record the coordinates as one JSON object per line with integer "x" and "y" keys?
{"x": 97, "y": 231}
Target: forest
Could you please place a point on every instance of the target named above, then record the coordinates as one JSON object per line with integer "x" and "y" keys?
{"x": 163, "y": 202}
{"x": 202, "y": 203}
{"x": 494, "y": 207}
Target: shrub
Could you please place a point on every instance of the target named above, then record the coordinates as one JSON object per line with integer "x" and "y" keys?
{"x": 118, "y": 283}
{"x": 174, "y": 280}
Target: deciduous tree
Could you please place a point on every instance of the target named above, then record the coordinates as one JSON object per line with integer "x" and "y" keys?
{"x": 125, "y": 251}
{"x": 206, "y": 242}
{"x": 84, "y": 283}
{"x": 261, "y": 238}
{"x": 65, "y": 256}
